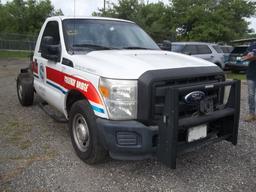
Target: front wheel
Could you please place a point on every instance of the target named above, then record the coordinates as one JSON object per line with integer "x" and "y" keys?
{"x": 84, "y": 133}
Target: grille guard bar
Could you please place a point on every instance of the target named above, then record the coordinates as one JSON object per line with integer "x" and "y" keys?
{"x": 168, "y": 146}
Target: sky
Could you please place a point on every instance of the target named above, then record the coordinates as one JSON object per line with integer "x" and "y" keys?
{"x": 87, "y": 7}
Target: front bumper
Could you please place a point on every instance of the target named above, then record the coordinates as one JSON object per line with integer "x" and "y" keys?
{"x": 133, "y": 140}
{"x": 127, "y": 140}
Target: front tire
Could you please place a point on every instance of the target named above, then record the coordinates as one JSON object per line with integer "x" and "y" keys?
{"x": 84, "y": 133}
{"x": 25, "y": 90}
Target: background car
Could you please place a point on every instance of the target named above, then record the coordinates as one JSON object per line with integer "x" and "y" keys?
{"x": 227, "y": 49}
{"x": 235, "y": 63}
{"x": 208, "y": 51}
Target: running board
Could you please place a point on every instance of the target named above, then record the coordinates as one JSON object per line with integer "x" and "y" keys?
{"x": 57, "y": 118}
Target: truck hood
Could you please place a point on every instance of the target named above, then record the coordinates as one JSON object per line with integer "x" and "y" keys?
{"x": 131, "y": 64}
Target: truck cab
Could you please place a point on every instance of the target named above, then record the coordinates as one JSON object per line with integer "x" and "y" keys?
{"x": 125, "y": 97}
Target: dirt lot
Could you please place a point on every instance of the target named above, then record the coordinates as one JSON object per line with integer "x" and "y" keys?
{"x": 36, "y": 155}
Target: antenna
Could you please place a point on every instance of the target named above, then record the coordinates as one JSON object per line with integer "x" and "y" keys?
{"x": 104, "y": 6}
{"x": 74, "y": 8}
{"x": 74, "y": 27}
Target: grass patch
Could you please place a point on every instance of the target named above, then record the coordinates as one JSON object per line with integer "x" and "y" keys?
{"x": 240, "y": 76}
{"x": 14, "y": 54}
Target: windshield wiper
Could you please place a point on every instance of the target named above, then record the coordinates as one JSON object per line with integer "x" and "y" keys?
{"x": 92, "y": 46}
{"x": 136, "y": 48}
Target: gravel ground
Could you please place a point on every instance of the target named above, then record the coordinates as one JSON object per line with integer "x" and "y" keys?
{"x": 36, "y": 155}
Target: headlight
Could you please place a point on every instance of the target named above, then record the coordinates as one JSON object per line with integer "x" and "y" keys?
{"x": 120, "y": 97}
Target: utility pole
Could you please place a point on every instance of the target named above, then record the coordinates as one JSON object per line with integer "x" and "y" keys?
{"x": 104, "y": 6}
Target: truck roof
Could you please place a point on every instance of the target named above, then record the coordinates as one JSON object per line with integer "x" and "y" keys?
{"x": 192, "y": 43}
{"x": 89, "y": 17}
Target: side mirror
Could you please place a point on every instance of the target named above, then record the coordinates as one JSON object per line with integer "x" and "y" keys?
{"x": 166, "y": 45}
{"x": 50, "y": 50}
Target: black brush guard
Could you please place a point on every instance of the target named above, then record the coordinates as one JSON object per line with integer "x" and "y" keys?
{"x": 228, "y": 115}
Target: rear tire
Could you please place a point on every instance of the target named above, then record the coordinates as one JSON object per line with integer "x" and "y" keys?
{"x": 84, "y": 133}
{"x": 25, "y": 90}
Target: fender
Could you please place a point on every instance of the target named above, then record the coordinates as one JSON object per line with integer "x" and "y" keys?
{"x": 65, "y": 83}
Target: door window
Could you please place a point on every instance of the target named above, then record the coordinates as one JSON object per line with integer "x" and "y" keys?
{"x": 217, "y": 49}
{"x": 203, "y": 49}
{"x": 190, "y": 50}
{"x": 51, "y": 29}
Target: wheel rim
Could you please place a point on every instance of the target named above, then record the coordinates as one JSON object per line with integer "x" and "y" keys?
{"x": 81, "y": 132}
{"x": 20, "y": 90}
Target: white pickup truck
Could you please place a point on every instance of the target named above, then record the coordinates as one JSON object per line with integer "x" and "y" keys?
{"x": 125, "y": 97}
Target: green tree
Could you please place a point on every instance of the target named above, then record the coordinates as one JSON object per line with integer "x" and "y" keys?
{"x": 213, "y": 21}
{"x": 125, "y": 9}
{"x": 20, "y": 16}
{"x": 2, "y": 14}
{"x": 187, "y": 20}
{"x": 154, "y": 17}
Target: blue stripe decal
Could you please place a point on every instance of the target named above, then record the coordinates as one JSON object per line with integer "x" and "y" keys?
{"x": 95, "y": 108}
{"x": 55, "y": 86}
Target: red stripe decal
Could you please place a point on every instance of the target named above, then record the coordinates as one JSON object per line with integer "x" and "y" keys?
{"x": 70, "y": 82}
{"x": 35, "y": 66}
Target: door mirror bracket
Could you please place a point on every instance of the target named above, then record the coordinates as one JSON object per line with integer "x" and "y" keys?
{"x": 49, "y": 50}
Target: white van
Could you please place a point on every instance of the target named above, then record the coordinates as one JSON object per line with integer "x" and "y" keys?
{"x": 208, "y": 51}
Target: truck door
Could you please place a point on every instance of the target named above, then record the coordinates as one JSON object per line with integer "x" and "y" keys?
{"x": 48, "y": 69}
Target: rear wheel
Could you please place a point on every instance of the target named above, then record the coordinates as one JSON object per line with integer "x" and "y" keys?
{"x": 84, "y": 133}
{"x": 25, "y": 90}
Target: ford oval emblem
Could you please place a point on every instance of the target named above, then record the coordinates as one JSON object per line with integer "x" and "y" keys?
{"x": 194, "y": 97}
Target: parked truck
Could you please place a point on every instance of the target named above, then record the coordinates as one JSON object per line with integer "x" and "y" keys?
{"x": 122, "y": 96}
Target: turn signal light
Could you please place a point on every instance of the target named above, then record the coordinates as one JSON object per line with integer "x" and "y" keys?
{"x": 104, "y": 91}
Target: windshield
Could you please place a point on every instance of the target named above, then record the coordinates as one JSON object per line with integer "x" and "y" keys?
{"x": 217, "y": 49}
{"x": 177, "y": 47}
{"x": 93, "y": 34}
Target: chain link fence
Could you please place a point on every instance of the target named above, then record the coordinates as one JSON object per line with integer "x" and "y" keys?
{"x": 15, "y": 41}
